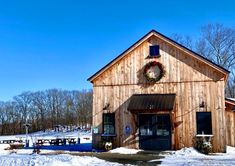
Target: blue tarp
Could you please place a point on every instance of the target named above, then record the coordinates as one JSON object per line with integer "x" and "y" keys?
{"x": 84, "y": 147}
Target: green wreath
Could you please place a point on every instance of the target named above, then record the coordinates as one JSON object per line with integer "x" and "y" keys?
{"x": 156, "y": 78}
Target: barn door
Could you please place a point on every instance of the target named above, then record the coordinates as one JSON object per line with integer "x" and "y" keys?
{"x": 154, "y": 132}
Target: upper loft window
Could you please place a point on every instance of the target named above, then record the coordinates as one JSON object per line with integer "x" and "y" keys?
{"x": 154, "y": 51}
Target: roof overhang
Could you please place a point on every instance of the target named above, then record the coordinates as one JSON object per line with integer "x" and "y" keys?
{"x": 151, "y": 102}
{"x": 169, "y": 41}
{"x": 230, "y": 101}
{"x": 230, "y": 104}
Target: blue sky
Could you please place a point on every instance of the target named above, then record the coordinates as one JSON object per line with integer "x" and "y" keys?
{"x": 60, "y": 43}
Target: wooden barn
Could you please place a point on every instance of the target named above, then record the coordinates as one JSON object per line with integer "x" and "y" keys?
{"x": 159, "y": 95}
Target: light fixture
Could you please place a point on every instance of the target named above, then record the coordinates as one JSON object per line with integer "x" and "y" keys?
{"x": 202, "y": 104}
{"x": 106, "y": 106}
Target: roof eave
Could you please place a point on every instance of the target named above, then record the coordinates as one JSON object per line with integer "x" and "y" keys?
{"x": 121, "y": 55}
{"x": 229, "y": 101}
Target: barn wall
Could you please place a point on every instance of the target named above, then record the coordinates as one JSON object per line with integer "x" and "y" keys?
{"x": 230, "y": 124}
{"x": 191, "y": 80}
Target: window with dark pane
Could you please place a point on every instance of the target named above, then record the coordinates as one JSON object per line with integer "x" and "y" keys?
{"x": 154, "y": 50}
{"x": 152, "y": 125}
{"x": 108, "y": 123}
{"x": 204, "y": 125}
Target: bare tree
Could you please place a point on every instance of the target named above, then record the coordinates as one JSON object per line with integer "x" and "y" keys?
{"x": 83, "y": 103}
{"x": 70, "y": 108}
{"x": 183, "y": 40}
{"x": 23, "y": 102}
{"x": 40, "y": 103}
{"x": 218, "y": 44}
{"x": 2, "y": 116}
{"x": 55, "y": 101}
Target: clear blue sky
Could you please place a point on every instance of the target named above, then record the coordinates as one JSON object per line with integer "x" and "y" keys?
{"x": 60, "y": 43}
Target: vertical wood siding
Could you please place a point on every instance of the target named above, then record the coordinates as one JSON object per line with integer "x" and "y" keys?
{"x": 191, "y": 80}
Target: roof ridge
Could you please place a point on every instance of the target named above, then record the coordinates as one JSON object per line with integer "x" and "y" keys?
{"x": 167, "y": 38}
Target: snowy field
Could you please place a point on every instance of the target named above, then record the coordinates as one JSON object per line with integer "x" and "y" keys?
{"x": 27, "y": 158}
{"x": 85, "y": 136}
{"x": 190, "y": 157}
{"x": 22, "y": 157}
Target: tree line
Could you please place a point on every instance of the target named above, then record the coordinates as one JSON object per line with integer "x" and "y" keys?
{"x": 46, "y": 109}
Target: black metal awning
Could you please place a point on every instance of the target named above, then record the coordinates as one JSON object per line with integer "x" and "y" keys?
{"x": 154, "y": 102}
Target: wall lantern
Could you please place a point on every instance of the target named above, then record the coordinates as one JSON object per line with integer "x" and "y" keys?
{"x": 202, "y": 104}
{"x": 106, "y": 108}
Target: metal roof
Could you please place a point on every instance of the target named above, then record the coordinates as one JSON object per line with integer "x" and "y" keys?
{"x": 144, "y": 102}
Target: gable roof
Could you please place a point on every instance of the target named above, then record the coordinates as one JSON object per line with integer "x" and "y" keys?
{"x": 170, "y": 41}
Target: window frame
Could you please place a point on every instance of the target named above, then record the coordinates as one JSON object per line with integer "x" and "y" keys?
{"x": 111, "y": 123}
{"x": 150, "y": 51}
{"x": 207, "y": 122}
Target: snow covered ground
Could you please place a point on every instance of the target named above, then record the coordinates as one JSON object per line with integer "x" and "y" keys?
{"x": 189, "y": 156}
{"x": 186, "y": 156}
{"x": 26, "y": 157}
{"x": 85, "y": 136}
{"x": 55, "y": 160}
{"x": 122, "y": 150}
